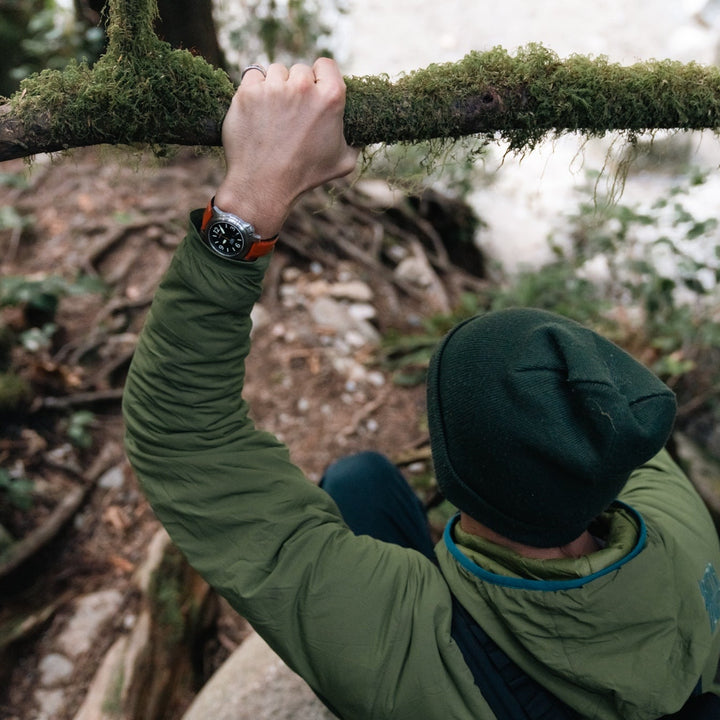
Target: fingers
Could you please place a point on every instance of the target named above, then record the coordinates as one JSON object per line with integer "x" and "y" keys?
{"x": 324, "y": 69}
{"x": 302, "y": 75}
{"x": 252, "y": 75}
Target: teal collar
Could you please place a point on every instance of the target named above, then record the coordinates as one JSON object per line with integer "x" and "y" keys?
{"x": 547, "y": 585}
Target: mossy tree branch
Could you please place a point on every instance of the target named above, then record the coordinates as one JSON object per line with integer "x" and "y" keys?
{"x": 143, "y": 91}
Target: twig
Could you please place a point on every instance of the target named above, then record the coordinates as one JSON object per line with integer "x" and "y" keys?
{"x": 20, "y": 551}
{"x": 85, "y": 398}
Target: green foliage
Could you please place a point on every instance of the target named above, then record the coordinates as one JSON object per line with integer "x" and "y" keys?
{"x": 408, "y": 355}
{"x": 38, "y": 34}
{"x": 44, "y": 294}
{"x": 285, "y": 31}
{"x": 658, "y": 261}
{"x": 78, "y": 428}
{"x": 10, "y": 219}
{"x": 17, "y": 492}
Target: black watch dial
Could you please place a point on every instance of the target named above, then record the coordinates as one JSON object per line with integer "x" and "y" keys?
{"x": 226, "y": 239}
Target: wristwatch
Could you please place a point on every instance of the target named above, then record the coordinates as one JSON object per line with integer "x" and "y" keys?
{"x": 232, "y": 238}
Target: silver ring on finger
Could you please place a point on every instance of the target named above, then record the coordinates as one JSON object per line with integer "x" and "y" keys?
{"x": 260, "y": 68}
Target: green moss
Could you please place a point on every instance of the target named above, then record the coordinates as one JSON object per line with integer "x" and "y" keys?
{"x": 15, "y": 393}
{"x": 521, "y": 99}
{"x": 165, "y": 595}
{"x": 143, "y": 91}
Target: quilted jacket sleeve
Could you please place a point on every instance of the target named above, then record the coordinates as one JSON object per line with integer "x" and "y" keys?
{"x": 364, "y": 622}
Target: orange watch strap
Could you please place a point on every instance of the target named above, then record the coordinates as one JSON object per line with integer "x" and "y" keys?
{"x": 260, "y": 248}
{"x": 207, "y": 215}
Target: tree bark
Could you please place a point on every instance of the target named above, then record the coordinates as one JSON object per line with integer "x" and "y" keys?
{"x": 189, "y": 24}
{"x": 185, "y": 24}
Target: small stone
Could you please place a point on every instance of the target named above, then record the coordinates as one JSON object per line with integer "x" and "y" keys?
{"x": 415, "y": 271}
{"x": 50, "y": 704}
{"x": 376, "y": 378}
{"x": 291, "y": 274}
{"x": 362, "y": 311}
{"x": 355, "y": 339}
{"x": 91, "y": 613}
{"x": 112, "y": 479}
{"x": 329, "y": 313}
{"x": 354, "y": 290}
{"x": 317, "y": 288}
{"x": 55, "y": 668}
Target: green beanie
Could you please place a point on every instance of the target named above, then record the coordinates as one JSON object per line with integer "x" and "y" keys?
{"x": 537, "y": 422}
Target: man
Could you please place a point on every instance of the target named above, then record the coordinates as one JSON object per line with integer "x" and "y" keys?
{"x": 537, "y": 426}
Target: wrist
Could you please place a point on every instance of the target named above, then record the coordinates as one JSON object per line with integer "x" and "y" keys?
{"x": 265, "y": 215}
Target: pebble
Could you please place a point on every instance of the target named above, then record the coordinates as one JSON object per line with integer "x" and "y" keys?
{"x": 91, "y": 613}
{"x": 336, "y": 316}
{"x": 416, "y": 271}
{"x": 55, "y": 668}
{"x": 112, "y": 479}
{"x": 50, "y": 704}
{"x": 354, "y": 290}
{"x": 362, "y": 311}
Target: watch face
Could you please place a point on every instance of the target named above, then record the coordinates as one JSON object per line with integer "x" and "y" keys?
{"x": 226, "y": 239}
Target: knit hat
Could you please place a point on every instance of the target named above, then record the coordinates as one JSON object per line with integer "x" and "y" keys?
{"x": 537, "y": 422}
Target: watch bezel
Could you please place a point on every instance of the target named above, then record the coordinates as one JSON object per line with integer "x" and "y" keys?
{"x": 245, "y": 231}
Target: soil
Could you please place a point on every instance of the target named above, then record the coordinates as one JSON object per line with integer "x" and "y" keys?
{"x": 97, "y": 213}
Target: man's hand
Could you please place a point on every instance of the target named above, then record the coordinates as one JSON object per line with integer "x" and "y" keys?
{"x": 283, "y": 135}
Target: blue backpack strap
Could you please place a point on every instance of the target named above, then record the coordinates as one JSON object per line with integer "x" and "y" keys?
{"x": 511, "y": 693}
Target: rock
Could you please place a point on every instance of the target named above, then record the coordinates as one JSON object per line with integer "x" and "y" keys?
{"x": 50, "y": 704}
{"x": 255, "y": 684}
{"x": 362, "y": 311}
{"x": 113, "y": 478}
{"x": 55, "y": 668}
{"x": 416, "y": 270}
{"x": 91, "y": 613}
{"x": 336, "y": 316}
{"x": 141, "y": 671}
{"x": 354, "y": 290}
{"x": 102, "y": 701}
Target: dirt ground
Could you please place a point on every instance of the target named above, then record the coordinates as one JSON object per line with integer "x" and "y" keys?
{"x": 118, "y": 218}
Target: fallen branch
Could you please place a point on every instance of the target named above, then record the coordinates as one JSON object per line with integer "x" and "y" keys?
{"x": 19, "y": 552}
{"x": 83, "y": 398}
{"x": 143, "y": 91}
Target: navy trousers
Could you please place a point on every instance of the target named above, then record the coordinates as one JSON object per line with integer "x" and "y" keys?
{"x": 375, "y": 499}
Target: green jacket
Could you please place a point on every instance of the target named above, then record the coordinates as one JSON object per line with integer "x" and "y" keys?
{"x": 624, "y": 633}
